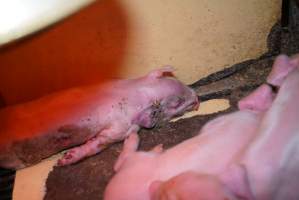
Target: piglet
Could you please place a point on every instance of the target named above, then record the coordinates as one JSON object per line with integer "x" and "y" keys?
{"x": 251, "y": 154}
{"x": 91, "y": 117}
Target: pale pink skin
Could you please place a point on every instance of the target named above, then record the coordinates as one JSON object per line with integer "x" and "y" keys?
{"x": 107, "y": 113}
{"x": 238, "y": 156}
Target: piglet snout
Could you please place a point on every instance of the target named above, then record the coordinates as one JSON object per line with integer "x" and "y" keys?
{"x": 193, "y": 101}
{"x": 194, "y": 105}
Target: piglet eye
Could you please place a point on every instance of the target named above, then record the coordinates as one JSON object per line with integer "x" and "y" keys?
{"x": 175, "y": 101}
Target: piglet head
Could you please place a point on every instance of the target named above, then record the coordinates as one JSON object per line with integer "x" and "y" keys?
{"x": 166, "y": 97}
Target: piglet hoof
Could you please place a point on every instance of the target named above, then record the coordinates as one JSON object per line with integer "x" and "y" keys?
{"x": 68, "y": 158}
{"x": 157, "y": 149}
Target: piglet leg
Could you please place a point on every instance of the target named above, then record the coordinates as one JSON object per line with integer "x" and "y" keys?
{"x": 94, "y": 145}
{"x": 259, "y": 100}
{"x": 282, "y": 66}
{"x": 91, "y": 147}
{"x": 130, "y": 146}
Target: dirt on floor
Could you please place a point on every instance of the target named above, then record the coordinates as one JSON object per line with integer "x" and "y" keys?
{"x": 87, "y": 179}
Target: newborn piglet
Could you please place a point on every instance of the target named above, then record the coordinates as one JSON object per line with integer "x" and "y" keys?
{"x": 87, "y": 119}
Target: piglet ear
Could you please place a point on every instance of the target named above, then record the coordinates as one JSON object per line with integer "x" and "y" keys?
{"x": 236, "y": 180}
{"x": 158, "y": 73}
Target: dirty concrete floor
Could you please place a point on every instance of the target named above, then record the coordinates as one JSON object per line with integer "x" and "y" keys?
{"x": 87, "y": 180}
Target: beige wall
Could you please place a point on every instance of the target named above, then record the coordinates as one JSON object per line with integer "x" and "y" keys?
{"x": 127, "y": 38}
